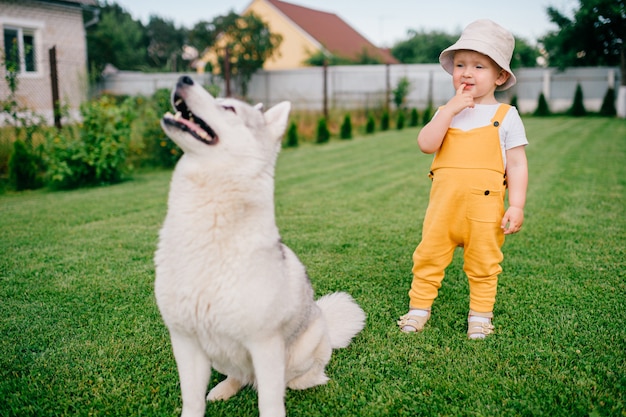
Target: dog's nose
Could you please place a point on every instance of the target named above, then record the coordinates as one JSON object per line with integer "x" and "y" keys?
{"x": 185, "y": 79}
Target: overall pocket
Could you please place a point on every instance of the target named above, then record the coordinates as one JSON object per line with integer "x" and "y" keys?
{"x": 485, "y": 206}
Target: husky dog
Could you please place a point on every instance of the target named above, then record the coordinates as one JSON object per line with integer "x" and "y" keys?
{"x": 233, "y": 296}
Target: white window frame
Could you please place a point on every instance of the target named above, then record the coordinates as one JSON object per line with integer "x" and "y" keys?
{"x": 27, "y": 27}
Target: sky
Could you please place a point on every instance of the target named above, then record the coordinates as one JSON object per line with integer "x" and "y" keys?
{"x": 383, "y": 23}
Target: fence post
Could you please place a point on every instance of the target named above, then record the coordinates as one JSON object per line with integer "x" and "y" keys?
{"x": 54, "y": 82}
{"x": 387, "y": 86}
{"x": 325, "y": 92}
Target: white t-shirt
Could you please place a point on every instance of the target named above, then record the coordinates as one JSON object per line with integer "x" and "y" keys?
{"x": 512, "y": 132}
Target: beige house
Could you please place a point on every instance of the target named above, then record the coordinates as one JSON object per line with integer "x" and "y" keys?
{"x": 29, "y": 29}
{"x": 306, "y": 32}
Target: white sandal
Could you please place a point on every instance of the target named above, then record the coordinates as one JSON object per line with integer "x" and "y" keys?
{"x": 477, "y": 329}
{"x": 412, "y": 321}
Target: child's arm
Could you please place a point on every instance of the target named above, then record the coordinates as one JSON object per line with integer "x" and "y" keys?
{"x": 517, "y": 179}
{"x": 431, "y": 136}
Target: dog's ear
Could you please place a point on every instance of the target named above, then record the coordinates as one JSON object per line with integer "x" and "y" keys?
{"x": 277, "y": 117}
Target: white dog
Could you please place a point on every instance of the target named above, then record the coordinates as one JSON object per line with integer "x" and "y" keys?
{"x": 233, "y": 297}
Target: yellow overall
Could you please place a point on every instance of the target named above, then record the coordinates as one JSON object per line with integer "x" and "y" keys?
{"x": 465, "y": 209}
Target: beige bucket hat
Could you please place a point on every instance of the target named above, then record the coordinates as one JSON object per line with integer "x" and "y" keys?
{"x": 488, "y": 38}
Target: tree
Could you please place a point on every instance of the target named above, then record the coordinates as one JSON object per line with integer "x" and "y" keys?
{"x": 242, "y": 45}
{"x": 117, "y": 39}
{"x": 165, "y": 42}
{"x": 524, "y": 55}
{"x": 320, "y": 58}
{"x": 422, "y": 47}
{"x": 595, "y": 35}
{"x": 425, "y": 47}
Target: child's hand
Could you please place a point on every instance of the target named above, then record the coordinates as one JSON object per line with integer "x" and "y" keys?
{"x": 512, "y": 220}
{"x": 461, "y": 100}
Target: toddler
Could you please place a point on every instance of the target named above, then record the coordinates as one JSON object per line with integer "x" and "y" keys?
{"x": 479, "y": 147}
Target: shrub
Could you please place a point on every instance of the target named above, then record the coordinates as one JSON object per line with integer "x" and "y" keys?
{"x": 98, "y": 156}
{"x": 414, "y": 118}
{"x": 292, "y": 135}
{"x": 578, "y": 106}
{"x": 428, "y": 113}
{"x": 370, "y": 126}
{"x": 514, "y": 101}
{"x": 159, "y": 150}
{"x": 400, "y": 120}
{"x": 384, "y": 121}
{"x": 24, "y": 167}
{"x": 542, "y": 107}
{"x": 401, "y": 92}
{"x": 608, "y": 104}
{"x": 346, "y": 128}
{"x": 323, "y": 134}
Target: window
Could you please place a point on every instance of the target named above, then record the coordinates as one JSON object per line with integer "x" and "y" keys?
{"x": 20, "y": 50}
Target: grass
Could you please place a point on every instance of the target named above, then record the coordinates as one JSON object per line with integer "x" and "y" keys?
{"x": 81, "y": 334}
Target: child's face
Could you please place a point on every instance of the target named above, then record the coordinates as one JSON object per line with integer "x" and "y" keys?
{"x": 480, "y": 74}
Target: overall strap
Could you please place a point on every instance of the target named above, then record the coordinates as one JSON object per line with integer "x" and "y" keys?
{"x": 503, "y": 109}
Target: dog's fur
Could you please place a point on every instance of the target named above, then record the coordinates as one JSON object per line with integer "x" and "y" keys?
{"x": 232, "y": 295}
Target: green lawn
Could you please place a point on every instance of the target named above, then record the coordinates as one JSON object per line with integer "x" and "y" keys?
{"x": 81, "y": 334}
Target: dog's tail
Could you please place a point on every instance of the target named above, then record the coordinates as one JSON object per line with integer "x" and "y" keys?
{"x": 344, "y": 318}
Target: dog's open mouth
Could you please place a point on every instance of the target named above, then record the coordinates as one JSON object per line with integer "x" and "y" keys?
{"x": 185, "y": 120}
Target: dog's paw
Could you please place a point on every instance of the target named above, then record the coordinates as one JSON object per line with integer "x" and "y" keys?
{"x": 308, "y": 380}
{"x": 224, "y": 390}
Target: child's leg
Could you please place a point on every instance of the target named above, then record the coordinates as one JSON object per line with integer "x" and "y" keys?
{"x": 430, "y": 260}
{"x": 482, "y": 265}
{"x": 482, "y": 257}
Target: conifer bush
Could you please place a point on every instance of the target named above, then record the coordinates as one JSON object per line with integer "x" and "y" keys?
{"x": 370, "y": 125}
{"x": 542, "y": 107}
{"x": 578, "y": 106}
{"x": 384, "y": 121}
{"x": 292, "y": 135}
{"x": 400, "y": 120}
{"x": 428, "y": 113}
{"x": 414, "y": 118}
{"x": 346, "y": 128}
{"x": 323, "y": 134}
{"x": 608, "y": 104}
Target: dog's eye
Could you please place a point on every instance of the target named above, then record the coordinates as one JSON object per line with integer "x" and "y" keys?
{"x": 230, "y": 108}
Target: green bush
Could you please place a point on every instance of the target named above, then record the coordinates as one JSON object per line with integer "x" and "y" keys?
{"x": 428, "y": 113}
{"x": 514, "y": 101}
{"x": 608, "y": 104}
{"x": 158, "y": 149}
{"x": 346, "y": 128}
{"x": 292, "y": 135}
{"x": 414, "y": 118}
{"x": 401, "y": 92}
{"x": 578, "y": 106}
{"x": 323, "y": 134}
{"x": 370, "y": 125}
{"x": 384, "y": 121}
{"x": 99, "y": 155}
{"x": 542, "y": 107}
{"x": 24, "y": 167}
{"x": 400, "y": 120}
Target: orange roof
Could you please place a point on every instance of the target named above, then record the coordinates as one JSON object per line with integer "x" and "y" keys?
{"x": 332, "y": 32}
